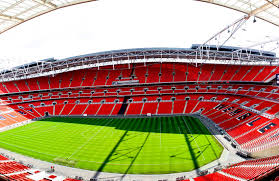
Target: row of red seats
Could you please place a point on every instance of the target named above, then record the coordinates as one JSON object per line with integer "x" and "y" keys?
{"x": 216, "y": 176}
{"x": 246, "y": 170}
{"x": 139, "y": 91}
{"x": 21, "y": 177}
{"x": 261, "y": 161}
{"x": 250, "y": 130}
{"x": 269, "y": 107}
{"x": 19, "y": 172}
{"x": 25, "y": 177}
{"x": 9, "y": 117}
{"x": 11, "y": 167}
{"x": 189, "y": 109}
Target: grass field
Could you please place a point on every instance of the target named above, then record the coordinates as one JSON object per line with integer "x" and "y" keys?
{"x": 132, "y": 145}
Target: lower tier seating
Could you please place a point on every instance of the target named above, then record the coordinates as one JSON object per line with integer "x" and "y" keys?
{"x": 14, "y": 171}
{"x": 246, "y": 170}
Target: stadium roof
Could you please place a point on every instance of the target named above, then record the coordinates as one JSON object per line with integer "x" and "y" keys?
{"x": 194, "y": 55}
{"x": 15, "y": 12}
{"x": 267, "y": 10}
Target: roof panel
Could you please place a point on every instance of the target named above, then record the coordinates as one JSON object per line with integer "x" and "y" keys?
{"x": 264, "y": 9}
{"x": 15, "y": 12}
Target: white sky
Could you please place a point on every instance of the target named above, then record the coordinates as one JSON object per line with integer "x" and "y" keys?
{"x": 120, "y": 24}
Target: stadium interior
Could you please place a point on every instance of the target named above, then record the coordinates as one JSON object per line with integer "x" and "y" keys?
{"x": 119, "y": 112}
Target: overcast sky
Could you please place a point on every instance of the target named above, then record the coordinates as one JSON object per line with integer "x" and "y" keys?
{"x": 110, "y": 24}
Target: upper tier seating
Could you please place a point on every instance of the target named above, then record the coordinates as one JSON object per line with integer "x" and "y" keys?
{"x": 151, "y": 73}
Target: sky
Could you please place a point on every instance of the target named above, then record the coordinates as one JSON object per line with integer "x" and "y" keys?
{"x": 110, "y": 25}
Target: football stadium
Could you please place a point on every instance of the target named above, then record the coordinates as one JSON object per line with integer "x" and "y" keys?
{"x": 202, "y": 113}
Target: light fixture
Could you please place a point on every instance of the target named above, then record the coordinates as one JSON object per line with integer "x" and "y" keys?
{"x": 254, "y": 21}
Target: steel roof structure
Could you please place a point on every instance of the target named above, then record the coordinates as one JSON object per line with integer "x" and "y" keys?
{"x": 267, "y": 10}
{"x": 15, "y": 12}
{"x": 130, "y": 56}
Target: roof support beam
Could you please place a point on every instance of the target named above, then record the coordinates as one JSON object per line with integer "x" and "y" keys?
{"x": 46, "y": 3}
{"x": 264, "y": 7}
{"x": 11, "y": 18}
{"x": 255, "y": 9}
{"x": 271, "y": 2}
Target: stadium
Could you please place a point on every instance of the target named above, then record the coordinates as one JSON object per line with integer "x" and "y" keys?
{"x": 206, "y": 112}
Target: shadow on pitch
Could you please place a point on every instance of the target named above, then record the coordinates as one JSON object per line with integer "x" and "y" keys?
{"x": 153, "y": 125}
{"x": 118, "y": 154}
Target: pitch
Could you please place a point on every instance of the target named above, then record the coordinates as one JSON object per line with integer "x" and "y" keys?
{"x": 156, "y": 145}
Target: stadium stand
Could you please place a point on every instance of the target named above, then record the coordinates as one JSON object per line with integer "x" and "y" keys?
{"x": 246, "y": 170}
{"x": 15, "y": 171}
{"x": 155, "y": 73}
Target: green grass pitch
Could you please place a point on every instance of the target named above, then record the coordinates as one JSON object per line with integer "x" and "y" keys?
{"x": 156, "y": 145}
